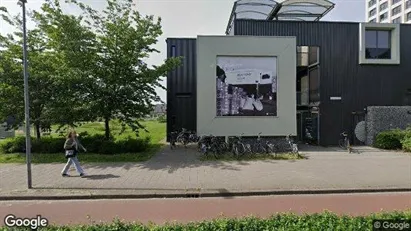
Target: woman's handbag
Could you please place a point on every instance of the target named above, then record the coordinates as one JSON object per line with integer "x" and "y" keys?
{"x": 70, "y": 153}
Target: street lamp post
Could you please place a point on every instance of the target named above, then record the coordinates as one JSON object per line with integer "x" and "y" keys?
{"x": 26, "y": 96}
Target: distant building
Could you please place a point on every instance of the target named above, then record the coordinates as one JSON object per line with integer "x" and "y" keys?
{"x": 4, "y": 133}
{"x": 159, "y": 110}
{"x": 388, "y": 11}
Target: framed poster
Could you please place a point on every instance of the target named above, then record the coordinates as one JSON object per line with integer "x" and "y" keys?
{"x": 246, "y": 86}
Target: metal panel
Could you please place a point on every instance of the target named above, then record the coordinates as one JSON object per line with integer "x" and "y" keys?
{"x": 181, "y": 85}
{"x": 341, "y": 75}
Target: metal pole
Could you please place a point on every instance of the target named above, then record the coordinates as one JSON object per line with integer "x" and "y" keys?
{"x": 26, "y": 97}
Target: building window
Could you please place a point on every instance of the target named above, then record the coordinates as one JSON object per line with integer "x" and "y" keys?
{"x": 383, "y": 16}
{"x": 395, "y": 1}
{"x": 409, "y": 17}
{"x": 396, "y": 20}
{"x": 396, "y": 10}
{"x": 408, "y": 4}
{"x": 373, "y": 20}
{"x": 372, "y": 12}
{"x": 377, "y": 44}
{"x": 173, "y": 51}
{"x": 371, "y": 3}
{"x": 384, "y": 6}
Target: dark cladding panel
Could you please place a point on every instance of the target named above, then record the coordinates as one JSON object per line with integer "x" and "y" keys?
{"x": 341, "y": 74}
{"x": 181, "y": 85}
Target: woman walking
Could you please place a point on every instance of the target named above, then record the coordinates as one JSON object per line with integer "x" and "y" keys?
{"x": 71, "y": 147}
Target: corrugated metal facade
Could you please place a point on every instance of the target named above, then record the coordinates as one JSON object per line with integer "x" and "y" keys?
{"x": 340, "y": 74}
{"x": 181, "y": 85}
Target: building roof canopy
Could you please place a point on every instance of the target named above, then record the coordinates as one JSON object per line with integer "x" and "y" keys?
{"x": 301, "y": 10}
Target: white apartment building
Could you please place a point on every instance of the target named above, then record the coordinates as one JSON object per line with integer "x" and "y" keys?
{"x": 388, "y": 11}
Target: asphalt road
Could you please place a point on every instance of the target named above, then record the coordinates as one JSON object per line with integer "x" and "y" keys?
{"x": 185, "y": 210}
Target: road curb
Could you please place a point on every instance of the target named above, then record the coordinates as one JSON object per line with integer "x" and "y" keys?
{"x": 205, "y": 194}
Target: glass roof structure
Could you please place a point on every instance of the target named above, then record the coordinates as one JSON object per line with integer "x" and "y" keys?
{"x": 299, "y": 10}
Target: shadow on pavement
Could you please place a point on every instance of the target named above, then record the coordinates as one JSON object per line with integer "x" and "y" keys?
{"x": 183, "y": 158}
{"x": 173, "y": 160}
{"x": 100, "y": 177}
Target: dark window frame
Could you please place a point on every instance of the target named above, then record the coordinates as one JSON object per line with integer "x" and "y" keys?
{"x": 379, "y": 53}
{"x": 396, "y": 10}
{"x": 372, "y": 3}
{"x": 383, "y": 6}
{"x": 395, "y": 2}
{"x": 372, "y": 12}
{"x": 408, "y": 17}
{"x": 385, "y": 16}
{"x": 397, "y": 20}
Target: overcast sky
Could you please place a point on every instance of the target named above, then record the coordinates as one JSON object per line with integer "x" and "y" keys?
{"x": 189, "y": 18}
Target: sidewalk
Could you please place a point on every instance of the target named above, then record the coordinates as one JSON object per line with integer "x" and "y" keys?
{"x": 179, "y": 173}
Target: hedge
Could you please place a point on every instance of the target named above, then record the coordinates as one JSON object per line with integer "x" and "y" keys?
{"x": 390, "y": 139}
{"x": 93, "y": 144}
{"x": 289, "y": 222}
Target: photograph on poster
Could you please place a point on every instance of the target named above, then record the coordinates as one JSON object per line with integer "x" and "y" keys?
{"x": 246, "y": 86}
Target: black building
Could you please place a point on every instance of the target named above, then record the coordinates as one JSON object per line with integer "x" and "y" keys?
{"x": 342, "y": 68}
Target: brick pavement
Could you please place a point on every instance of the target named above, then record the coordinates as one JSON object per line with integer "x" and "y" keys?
{"x": 180, "y": 171}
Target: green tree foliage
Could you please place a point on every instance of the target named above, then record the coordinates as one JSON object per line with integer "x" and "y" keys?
{"x": 106, "y": 53}
{"x": 43, "y": 66}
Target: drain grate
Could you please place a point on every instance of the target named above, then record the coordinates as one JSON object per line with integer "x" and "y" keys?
{"x": 192, "y": 195}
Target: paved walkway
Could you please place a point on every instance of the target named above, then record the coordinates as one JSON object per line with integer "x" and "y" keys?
{"x": 160, "y": 211}
{"x": 180, "y": 171}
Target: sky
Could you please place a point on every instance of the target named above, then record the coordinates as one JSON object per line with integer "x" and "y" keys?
{"x": 189, "y": 18}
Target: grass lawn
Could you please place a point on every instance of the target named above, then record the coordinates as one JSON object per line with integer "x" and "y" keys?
{"x": 156, "y": 132}
{"x": 230, "y": 157}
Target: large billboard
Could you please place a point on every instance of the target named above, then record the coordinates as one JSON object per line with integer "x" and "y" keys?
{"x": 246, "y": 86}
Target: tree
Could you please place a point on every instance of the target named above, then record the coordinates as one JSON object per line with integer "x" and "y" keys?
{"x": 47, "y": 76}
{"x": 107, "y": 52}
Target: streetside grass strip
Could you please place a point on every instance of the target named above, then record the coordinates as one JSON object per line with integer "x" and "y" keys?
{"x": 231, "y": 157}
{"x": 43, "y": 158}
{"x": 284, "y": 221}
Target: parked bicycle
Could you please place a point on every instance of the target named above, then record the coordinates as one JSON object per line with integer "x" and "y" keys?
{"x": 293, "y": 145}
{"x": 344, "y": 142}
{"x": 239, "y": 148}
{"x": 260, "y": 147}
{"x": 193, "y": 138}
{"x": 183, "y": 137}
{"x": 173, "y": 139}
{"x": 204, "y": 144}
{"x": 210, "y": 144}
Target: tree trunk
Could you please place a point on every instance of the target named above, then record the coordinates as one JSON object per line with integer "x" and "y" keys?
{"x": 107, "y": 127}
{"x": 38, "y": 131}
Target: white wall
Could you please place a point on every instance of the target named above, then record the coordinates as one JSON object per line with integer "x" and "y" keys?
{"x": 208, "y": 48}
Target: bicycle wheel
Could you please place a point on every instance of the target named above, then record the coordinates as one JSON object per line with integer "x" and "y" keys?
{"x": 257, "y": 149}
{"x": 238, "y": 150}
{"x": 270, "y": 149}
{"x": 204, "y": 149}
{"x": 223, "y": 147}
{"x": 342, "y": 144}
{"x": 295, "y": 149}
